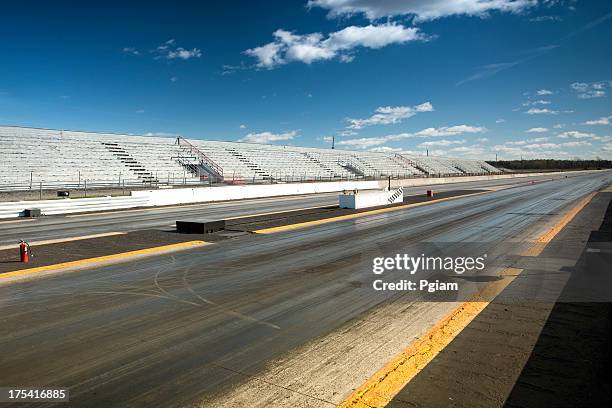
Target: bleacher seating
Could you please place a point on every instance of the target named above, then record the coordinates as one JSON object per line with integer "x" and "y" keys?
{"x": 31, "y": 156}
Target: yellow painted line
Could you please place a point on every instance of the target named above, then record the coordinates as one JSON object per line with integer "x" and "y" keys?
{"x": 69, "y": 239}
{"x": 384, "y": 385}
{"x": 361, "y": 214}
{"x": 107, "y": 259}
{"x": 545, "y": 238}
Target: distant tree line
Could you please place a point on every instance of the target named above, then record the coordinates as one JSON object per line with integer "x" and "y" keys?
{"x": 552, "y": 164}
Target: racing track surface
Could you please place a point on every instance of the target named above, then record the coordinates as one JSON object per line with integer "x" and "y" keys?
{"x": 171, "y": 330}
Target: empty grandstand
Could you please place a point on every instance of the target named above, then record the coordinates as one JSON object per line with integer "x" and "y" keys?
{"x": 33, "y": 158}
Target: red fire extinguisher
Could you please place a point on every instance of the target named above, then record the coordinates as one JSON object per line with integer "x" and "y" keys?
{"x": 24, "y": 251}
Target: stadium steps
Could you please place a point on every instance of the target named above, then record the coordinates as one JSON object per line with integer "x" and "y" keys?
{"x": 411, "y": 163}
{"x": 407, "y": 164}
{"x": 320, "y": 164}
{"x": 352, "y": 167}
{"x": 252, "y": 166}
{"x": 365, "y": 167}
{"x": 130, "y": 162}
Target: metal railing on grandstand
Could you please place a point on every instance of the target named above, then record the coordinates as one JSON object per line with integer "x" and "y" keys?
{"x": 185, "y": 179}
{"x": 297, "y": 178}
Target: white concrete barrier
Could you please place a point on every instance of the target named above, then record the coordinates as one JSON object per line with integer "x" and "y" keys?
{"x": 370, "y": 198}
{"x": 210, "y": 194}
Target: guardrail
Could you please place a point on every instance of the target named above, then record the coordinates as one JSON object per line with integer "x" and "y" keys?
{"x": 89, "y": 184}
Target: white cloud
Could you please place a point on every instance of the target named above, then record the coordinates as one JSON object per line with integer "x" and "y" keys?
{"x": 559, "y": 126}
{"x": 443, "y": 142}
{"x": 538, "y": 102}
{"x": 591, "y": 90}
{"x": 543, "y": 92}
{"x": 173, "y": 79}
{"x": 526, "y": 142}
{"x": 576, "y": 135}
{"x": 308, "y": 48}
{"x": 534, "y": 148}
{"x": 140, "y": 111}
{"x": 537, "y": 130}
{"x": 131, "y": 50}
{"x": 268, "y": 137}
{"x": 482, "y": 140}
{"x": 421, "y": 10}
{"x": 474, "y": 151}
{"x": 386, "y": 115}
{"x": 184, "y": 54}
{"x": 542, "y": 146}
{"x": 540, "y": 19}
{"x": 385, "y": 149}
{"x": 161, "y": 134}
{"x": 242, "y": 126}
{"x": 575, "y": 144}
{"x": 366, "y": 142}
{"x": 583, "y": 135}
{"x": 450, "y": 131}
{"x": 347, "y": 133}
{"x": 169, "y": 50}
{"x": 538, "y": 111}
{"x": 500, "y": 120}
{"x": 601, "y": 121}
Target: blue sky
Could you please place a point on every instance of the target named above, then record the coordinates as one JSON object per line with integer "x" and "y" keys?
{"x": 520, "y": 78}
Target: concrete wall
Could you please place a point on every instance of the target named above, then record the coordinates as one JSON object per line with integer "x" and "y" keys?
{"x": 210, "y": 194}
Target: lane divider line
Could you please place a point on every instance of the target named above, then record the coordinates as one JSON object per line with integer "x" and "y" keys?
{"x": 68, "y": 239}
{"x": 103, "y": 260}
{"x": 361, "y": 214}
{"x": 546, "y": 237}
{"x": 384, "y": 385}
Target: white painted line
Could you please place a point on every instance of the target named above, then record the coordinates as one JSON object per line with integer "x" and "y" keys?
{"x": 17, "y": 221}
